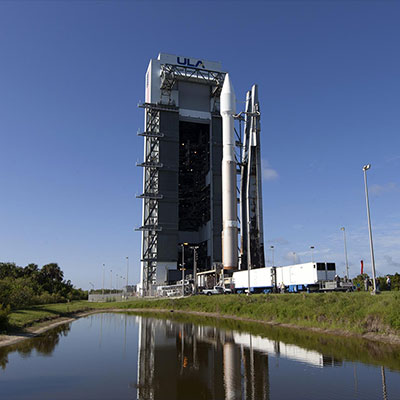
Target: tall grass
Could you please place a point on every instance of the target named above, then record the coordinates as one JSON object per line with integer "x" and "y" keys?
{"x": 353, "y": 312}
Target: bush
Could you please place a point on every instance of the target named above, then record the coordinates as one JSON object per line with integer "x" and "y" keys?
{"x": 22, "y": 287}
{"x": 4, "y": 312}
{"x": 49, "y": 298}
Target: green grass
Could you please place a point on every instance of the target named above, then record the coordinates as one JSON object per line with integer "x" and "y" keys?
{"x": 353, "y": 312}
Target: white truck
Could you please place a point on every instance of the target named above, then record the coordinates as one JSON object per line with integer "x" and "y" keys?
{"x": 312, "y": 276}
{"x": 261, "y": 280}
{"x": 305, "y": 276}
{"x": 214, "y": 290}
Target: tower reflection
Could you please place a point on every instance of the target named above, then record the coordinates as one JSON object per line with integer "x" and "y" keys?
{"x": 182, "y": 361}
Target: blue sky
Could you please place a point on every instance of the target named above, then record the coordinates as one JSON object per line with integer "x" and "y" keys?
{"x": 72, "y": 74}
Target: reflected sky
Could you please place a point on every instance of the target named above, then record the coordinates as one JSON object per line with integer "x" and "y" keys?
{"x": 122, "y": 356}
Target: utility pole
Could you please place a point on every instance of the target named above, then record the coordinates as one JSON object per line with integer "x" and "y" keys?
{"x": 345, "y": 252}
{"x": 365, "y": 169}
{"x": 183, "y": 267}
{"x": 194, "y": 248}
{"x": 102, "y": 290}
{"x": 127, "y": 273}
{"x": 272, "y": 251}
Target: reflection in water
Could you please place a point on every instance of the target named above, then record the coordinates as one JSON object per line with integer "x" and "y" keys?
{"x": 180, "y": 361}
{"x": 44, "y": 344}
{"x": 124, "y": 356}
{"x": 385, "y": 397}
{"x": 192, "y": 357}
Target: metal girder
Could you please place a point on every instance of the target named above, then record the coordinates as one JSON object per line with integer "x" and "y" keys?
{"x": 151, "y": 134}
{"x": 170, "y": 74}
{"x": 251, "y": 212}
{"x": 151, "y": 196}
{"x": 149, "y": 228}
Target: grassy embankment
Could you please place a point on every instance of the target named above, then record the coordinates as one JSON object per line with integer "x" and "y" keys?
{"x": 352, "y": 312}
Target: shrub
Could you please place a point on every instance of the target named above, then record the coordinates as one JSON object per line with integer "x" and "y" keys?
{"x": 4, "y": 312}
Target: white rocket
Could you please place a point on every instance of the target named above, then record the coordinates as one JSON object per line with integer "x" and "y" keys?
{"x": 229, "y": 197}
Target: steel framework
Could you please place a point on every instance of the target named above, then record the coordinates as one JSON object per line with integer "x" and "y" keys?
{"x": 251, "y": 212}
{"x": 170, "y": 74}
{"x": 151, "y": 195}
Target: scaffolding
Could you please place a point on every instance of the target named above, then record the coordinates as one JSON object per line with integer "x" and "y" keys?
{"x": 151, "y": 195}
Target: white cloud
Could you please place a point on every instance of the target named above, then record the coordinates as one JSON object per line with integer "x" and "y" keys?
{"x": 268, "y": 173}
{"x": 381, "y": 189}
{"x": 292, "y": 258}
{"x": 278, "y": 240}
{"x": 391, "y": 262}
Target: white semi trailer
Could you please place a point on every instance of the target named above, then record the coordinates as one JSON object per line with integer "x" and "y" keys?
{"x": 261, "y": 280}
{"x": 311, "y": 276}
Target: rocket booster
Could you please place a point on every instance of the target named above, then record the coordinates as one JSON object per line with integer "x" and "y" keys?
{"x": 229, "y": 198}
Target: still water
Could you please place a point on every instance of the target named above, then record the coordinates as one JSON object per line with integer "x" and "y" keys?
{"x": 123, "y": 356}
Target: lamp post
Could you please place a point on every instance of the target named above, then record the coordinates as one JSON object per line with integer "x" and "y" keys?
{"x": 123, "y": 284}
{"x": 110, "y": 280}
{"x": 312, "y": 253}
{"x": 194, "y": 248}
{"x": 345, "y": 252}
{"x": 127, "y": 273}
{"x": 102, "y": 290}
{"x": 183, "y": 267}
{"x": 365, "y": 169}
{"x": 272, "y": 251}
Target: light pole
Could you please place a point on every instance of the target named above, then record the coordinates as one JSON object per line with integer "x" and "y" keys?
{"x": 110, "y": 280}
{"x": 272, "y": 251}
{"x": 312, "y": 253}
{"x": 248, "y": 260}
{"x": 123, "y": 284}
{"x": 183, "y": 267}
{"x": 345, "y": 252}
{"x": 194, "y": 248}
{"x": 127, "y": 273}
{"x": 102, "y": 290}
{"x": 365, "y": 169}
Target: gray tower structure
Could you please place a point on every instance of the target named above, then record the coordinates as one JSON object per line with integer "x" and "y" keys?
{"x": 251, "y": 208}
{"x": 182, "y": 192}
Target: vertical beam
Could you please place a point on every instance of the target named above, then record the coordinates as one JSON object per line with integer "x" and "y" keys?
{"x": 244, "y": 237}
{"x": 252, "y": 232}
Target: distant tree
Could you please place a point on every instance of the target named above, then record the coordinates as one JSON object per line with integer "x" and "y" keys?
{"x": 21, "y": 287}
{"x": 52, "y": 272}
{"x": 31, "y": 270}
{"x": 9, "y": 270}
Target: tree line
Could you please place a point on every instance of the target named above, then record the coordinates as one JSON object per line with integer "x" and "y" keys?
{"x": 25, "y": 286}
{"x": 381, "y": 281}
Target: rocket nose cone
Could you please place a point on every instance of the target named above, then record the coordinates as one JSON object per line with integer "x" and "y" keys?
{"x": 227, "y": 86}
{"x": 228, "y": 99}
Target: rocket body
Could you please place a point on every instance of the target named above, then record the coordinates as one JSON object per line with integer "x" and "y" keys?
{"x": 229, "y": 197}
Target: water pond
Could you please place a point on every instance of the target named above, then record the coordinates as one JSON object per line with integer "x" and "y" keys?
{"x": 124, "y": 356}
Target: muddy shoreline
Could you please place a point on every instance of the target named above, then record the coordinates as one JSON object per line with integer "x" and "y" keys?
{"x": 41, "y": 327}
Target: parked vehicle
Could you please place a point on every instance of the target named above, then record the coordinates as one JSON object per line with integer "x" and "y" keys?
{"x": 261, "y": 280}
{"x": 311, "y": 277}
{"x": 214, "y": 290}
